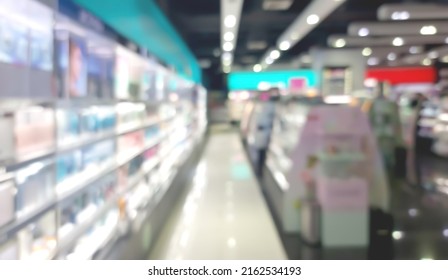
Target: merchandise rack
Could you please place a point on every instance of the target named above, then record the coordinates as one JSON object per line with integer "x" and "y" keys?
{"x": 174, "y": 122}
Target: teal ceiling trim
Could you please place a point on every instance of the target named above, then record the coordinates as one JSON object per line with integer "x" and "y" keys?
{"x": 143, "y": 22}
{"x": 252, "y": 80}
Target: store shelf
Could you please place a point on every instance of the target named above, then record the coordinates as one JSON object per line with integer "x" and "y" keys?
{"x": 75, "y": 184}
{"x": 10, "y": 229}
{"x": 22, "y": 161}
{"x": 278, "y": 176}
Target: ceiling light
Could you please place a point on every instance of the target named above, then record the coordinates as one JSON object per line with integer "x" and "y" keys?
{"x": 433, "y": 55}
{"x": 363, "y": 32}
{"x": 367, "y": 52}
{"x": 428, "y": 30}
{"x": 294, "y": 36}
{"x": 285, "y": 45}
{"x": 227, "y": 56}
{"x": 269, "y": 60}
{"x": 413, "y": 212}
{"x": 397, "y": 235}
{"x": 226, "y": 69}
{"x": 373, "y": 61}
{"x": 275, "y": 54}
{"x": 402, "y": 15}
{"x": 398, "y": 42}
{"x": 340, "y": 43}
{"x": 445, "y": 232}
{"x": 391, "y": 57}
{"x": 228, "y": 46}
{"x": 226, "y": 62}
{"x": 229, "y": 36}
{"x": 312, "y": 19}
{"x": 277, "y": 5}
{"x": 415, "y": 50}
{"x": 427, "y": 62}
{"x": 257, "y": 68}
{"x": 230, "y": 21}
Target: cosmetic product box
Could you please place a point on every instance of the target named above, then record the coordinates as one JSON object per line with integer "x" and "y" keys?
{"x": 26, "y": 131}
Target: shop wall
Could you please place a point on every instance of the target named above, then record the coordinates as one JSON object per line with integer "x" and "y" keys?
{"x": 353, "y": 59}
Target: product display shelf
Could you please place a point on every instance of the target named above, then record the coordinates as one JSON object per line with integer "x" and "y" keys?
{"x": 149, "y": 203}
{"x": 68, "y": 188}
{"x": 311, "y": 144}
{"x": 428, "y": 120}
{"x": 86, "y": 249}
{"x": 440, "y": 146}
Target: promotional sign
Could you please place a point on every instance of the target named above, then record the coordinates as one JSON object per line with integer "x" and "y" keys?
{"x": 77, "y": 67}
{"x": 13, "y": 42}
{"x": 122, "y": 77}
{"x": 61, "y": 50}
{"x": 101, "y": 65}
{"x": 41, "y": 51}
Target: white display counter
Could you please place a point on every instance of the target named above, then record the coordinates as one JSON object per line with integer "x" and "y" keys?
{"x": 329, "y": 150}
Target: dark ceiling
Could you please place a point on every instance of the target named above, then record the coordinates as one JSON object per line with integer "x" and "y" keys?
{"x": 198, "y": 22}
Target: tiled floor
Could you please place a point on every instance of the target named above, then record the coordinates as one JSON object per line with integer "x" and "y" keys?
{"x": 224, "y": 214}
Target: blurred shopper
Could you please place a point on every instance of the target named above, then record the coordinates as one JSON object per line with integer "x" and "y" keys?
{"x": 264, "y": 121}
{"x": 417, "y": 149}
{"x": 385, "y": 120}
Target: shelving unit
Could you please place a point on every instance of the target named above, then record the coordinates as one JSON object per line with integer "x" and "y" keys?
{"x": 315, "y": 154}
{"x": 84, "y": 188}
{"x": 85, "y": 164}
{"x": 440, "y": 129}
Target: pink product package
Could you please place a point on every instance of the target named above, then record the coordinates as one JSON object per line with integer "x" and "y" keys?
{"x": 149, "y": 154}
{"x": 34, "y": 131}
{"x": 343, "y": 194}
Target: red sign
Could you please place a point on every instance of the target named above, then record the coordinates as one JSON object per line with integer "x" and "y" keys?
{"x": 403, "y": 75}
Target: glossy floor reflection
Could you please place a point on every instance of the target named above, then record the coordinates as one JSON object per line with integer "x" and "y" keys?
{"x": 224, "y": 214}
{"x": 420, "y": 220}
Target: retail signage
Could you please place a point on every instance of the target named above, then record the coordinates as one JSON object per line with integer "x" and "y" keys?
{"x": 403, "y": 75}
{"x": 253, "y": 81}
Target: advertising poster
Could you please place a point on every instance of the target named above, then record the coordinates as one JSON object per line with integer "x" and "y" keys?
{"x": 109, "y": 77}
{"x": 60, "y": 72}
{"x": 146, "y": 85}
{"x": 77, "y": 67}
{"x": 101, "y": 69}
{"x": 13, "y": 43}
{"x": 160, "y": 86}
{"x": 41, "y": 50}
{"x": 122, "y": 78}
{"x": 94, "y": 70}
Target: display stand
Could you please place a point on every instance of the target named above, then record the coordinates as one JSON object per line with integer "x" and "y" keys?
{"x": 334, "y": 148}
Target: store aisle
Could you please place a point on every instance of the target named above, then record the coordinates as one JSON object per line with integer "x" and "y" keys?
{"x": 223, "y": 214}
